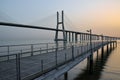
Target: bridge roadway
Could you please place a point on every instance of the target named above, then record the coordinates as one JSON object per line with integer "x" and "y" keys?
{"x": 46, "y": 66}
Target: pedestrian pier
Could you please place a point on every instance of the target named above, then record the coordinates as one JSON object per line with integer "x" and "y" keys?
{"x": 48, "y": 61}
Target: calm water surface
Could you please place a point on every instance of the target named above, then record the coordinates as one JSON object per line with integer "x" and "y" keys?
{"x": 108, "y": 69}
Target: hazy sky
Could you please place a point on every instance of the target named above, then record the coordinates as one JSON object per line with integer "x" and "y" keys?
{"x": 102, "y": 16}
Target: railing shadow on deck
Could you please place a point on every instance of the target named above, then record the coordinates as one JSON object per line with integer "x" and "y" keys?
{"x": 98, "y": 66}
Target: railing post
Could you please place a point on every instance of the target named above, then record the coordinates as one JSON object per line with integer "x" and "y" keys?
{"x": 75, "y": 37}
{"x": 73, "y": 52}
{"x": 83, "y": 38}
{"x": 40, "y": 50}
{"x": 47, "y": 47}
{"x": 31, "y": 49}
{"x": 42, "y": 65}
{"x": 94, "y": 45}
{"x": 66, "y": 35}
{"x": 86, "y": 37}
{"x": 66, "y": 76}
{"x": 69, "y": 37}
{"x": 80, "y": 39}
{"x": 18, "y": 66}
{"x": 56, "y": 57}
{"x": 72, "y": 37}
{"x": 21, "y": 53}
{"x": 8, "y": 51}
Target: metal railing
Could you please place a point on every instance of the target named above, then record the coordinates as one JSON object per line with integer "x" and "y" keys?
{"x": 27, "y": 61}
{"x": 29, "y": 67}
{"x": 26, "y": 50}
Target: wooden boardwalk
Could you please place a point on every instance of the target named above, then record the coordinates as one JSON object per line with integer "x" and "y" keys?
{"x": 34, "y": 66}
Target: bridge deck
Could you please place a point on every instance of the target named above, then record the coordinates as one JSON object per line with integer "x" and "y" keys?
{"x": 36, "y": 65}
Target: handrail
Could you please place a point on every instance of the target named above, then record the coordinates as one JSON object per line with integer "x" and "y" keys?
{"x": 46, "y": 28}
{"x": 75, "y": 44}
{"x": 69, "y": 45}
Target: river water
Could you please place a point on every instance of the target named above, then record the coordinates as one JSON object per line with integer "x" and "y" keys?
{"x": 108, "y": 69}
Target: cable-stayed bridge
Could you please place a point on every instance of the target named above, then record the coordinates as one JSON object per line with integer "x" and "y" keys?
{"x": 48, "y": 61}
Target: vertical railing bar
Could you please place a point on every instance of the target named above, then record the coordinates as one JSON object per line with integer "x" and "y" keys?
{"x": 21, "y": 53}
{"x": 18, "y": 66}
{"x": 47, "y": 47}
{"x": 42, "y": 65}
{"x": 56, "y": 57}
{"x": 87, "y": 47}
{"x": 72, "y": 52}
{"x": 40, "y": 50}
{"x": 8, "y": 51}
{"x": 31, "y": 49}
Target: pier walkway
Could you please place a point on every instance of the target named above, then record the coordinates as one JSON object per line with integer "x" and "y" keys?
{"x": 47, "y": 63}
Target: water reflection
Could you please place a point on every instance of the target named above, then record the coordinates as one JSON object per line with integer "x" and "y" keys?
{"x": 98, "y": 66}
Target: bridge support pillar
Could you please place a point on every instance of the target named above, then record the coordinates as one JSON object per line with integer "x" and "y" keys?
{"x": 69, "y": 37}
{"x": 113, "y": 44}
{"x": 102, "y": 49}
{"x": 107, "y": 48}
{"x": 66, "y": 76}
{"x": 80, "y": 39}
{"x": 72, "y": 37}
{"x": 110, "y": 46}
{"x": 102, "y": 52}
{"x": 90, "y": 58}
{"x": 97, "y": 54}
{"x": 90, "y": 64}
{"x": 76, "y": 39}
{"x": 66, "y": 36}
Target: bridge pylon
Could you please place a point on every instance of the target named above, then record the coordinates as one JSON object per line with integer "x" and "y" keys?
{"x": 64, "y": 39}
